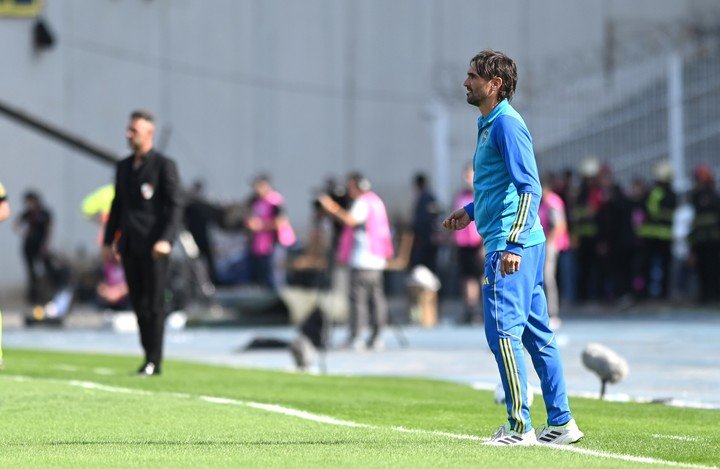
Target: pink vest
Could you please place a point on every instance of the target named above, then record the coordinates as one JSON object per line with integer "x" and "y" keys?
{"x": 468, "y": 237}
{"x": 377, "y": 228}
{"x": 263, "y": 242}
{"x": 549, "y": 202}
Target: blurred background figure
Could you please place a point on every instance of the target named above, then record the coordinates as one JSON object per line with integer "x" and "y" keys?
{"x": 557, "y": 240}
{"x": 365, "y": 246}
{"x": 585, "y": 230}
{"x": 4, "y": 214}
{"x": 637, "y": 194}
{"x": 425, "y": 225}
{"x": 470, "y": 255}
{"x": 35, "y": 225}
{"x": 657, "y": 232}
{"x": 96, "y": 206}
{"x": 199, "y": 215}
{"x": 112, "y": 289}
{"x": 337, "y": 192}
{"x": 4, "y": 205}
{"x": 616, "y": 249}
{"x": 268, "y": 225}
{"x": 705, "y": 234}
{"x": 563, "y": 185}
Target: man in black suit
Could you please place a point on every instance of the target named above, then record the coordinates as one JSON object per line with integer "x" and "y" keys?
{"x": 144, "y": 221}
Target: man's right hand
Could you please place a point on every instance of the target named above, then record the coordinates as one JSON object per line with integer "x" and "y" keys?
{"x": 457, "y": 220}
{"x": 109, "y": 253}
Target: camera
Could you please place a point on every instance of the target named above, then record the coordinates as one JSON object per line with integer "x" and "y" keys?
{"x": 333, "y": 190}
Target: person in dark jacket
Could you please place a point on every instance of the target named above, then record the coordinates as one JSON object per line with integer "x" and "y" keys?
{"x": 145, "y": 218}
{"x": 705, "y": 234}
{"x": 656, "y": 232}
{"x": 424, "y": 224}
{"x": 36, "y": 225}
{"x": 616, "y": 244}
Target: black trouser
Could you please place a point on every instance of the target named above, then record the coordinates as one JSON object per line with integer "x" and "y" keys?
{"x": 261, "y": 270}
{"x": 32, "y": 253}
{"x": 589, "y": 272}
{"x": 707, "y": 260}
{"x": 424, "y": 252}
{"x": 658, "y": 258}
{"x": 146, "y": 278}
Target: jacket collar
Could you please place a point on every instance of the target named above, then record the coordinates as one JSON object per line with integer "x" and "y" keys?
{"x": 143, "y": 159}
{"x": 499, "y": 109}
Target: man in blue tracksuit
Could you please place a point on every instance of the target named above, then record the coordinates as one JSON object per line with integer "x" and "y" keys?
{"x": 505, "y": 211}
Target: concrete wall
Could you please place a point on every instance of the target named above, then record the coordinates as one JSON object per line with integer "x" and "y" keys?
{"x": 300, "y": 89}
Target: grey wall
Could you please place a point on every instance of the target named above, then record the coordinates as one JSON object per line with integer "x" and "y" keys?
{"x": 301, "y": 89}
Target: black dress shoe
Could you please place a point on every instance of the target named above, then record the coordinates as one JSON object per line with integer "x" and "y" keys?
{"x": 148, "y": 369}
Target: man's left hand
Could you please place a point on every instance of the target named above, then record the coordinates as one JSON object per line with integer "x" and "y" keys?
{"x": 509, "y": 263}
{"x": 161, "y": 248}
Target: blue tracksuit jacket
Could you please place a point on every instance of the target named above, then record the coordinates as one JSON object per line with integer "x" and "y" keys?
{"x": 506, "y": 181}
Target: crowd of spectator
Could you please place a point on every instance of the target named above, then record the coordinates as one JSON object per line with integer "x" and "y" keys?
{"x": 607, "y": 242}
{"x": 629, "y": 242}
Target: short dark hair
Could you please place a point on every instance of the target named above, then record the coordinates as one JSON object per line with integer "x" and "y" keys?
{"x": 142, "y": 114}
{"x": 261, "y": 178}
{"x": 360, "y": 181}
{"x": 32, "y": 195}
{"x": 420, "y": 180}
{"x": 490, "y": 64}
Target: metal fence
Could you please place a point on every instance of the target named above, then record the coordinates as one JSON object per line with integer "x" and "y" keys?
{"x": 627, "y": 120}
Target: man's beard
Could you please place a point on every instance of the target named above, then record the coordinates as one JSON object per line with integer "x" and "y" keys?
{"x": 472, "y": 99}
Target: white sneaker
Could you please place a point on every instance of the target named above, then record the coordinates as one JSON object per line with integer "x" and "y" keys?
{"x": 505, "y": 437}
{"x": 355, "y": 345}
{"x": 377, "y": 345}
{"x": 562, "y": 435}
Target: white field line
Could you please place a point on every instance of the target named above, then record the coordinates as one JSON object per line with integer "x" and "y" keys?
{"x": 346, "y": 423}
{"x": 676, "y": 437}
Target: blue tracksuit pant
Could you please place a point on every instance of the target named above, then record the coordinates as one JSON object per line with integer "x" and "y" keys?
{"x": 515, "y": 316}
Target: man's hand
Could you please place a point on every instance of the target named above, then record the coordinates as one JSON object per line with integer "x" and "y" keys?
{"x": 328, "y": 204}
{"x": 254, "y": 224}
{"x": 161, "y": 248}
{"x": 509, "y": 263}
{"x": 109, "y": 253}
{"x": 457, "y": 220}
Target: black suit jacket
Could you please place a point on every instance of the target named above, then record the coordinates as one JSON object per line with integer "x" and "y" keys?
{"x": 147, "y": 206}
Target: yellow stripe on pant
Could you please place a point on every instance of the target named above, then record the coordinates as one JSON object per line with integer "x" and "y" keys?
{"x": 513, "y": 378}
{"x": 512, "y": 384}
{"x": 519, "y": 421}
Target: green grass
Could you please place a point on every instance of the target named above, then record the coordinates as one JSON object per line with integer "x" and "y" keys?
{"x": 48, "y": 422}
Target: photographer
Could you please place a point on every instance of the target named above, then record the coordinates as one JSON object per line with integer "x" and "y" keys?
{"x": 365, "y": 245}
{"x": 338, "y": 194}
